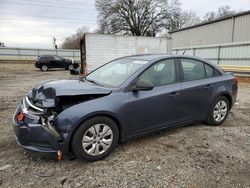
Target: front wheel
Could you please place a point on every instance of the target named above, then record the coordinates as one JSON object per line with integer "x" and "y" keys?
{"x": 218, "y": 111}
{"x": 44, "y": 68}
{"x": 95, "y": 139}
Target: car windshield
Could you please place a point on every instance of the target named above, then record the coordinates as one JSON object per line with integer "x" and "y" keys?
{"x": 115, "y": 73}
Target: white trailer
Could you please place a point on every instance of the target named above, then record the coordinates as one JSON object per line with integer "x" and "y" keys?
{"x": 97, "y": 49}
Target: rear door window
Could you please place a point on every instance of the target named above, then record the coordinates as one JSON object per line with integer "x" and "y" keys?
{"x": 209, "y": 71}
{"x": 57, "y": 58}
{"x": 192, "y": 69}
{"x": 50, "y": 58}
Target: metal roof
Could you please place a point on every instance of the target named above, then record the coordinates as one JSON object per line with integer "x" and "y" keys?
{"x": 213, "y": 21}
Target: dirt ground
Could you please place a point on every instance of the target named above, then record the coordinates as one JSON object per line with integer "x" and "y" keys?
{"x": 193, "y": 156}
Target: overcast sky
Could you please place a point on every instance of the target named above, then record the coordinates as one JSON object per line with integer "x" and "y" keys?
{"x": 30, "y": 23}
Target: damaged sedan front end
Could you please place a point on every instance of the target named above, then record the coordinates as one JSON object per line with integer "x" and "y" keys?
{"x": 35, "y": 120}
{"x": 35, "y": 130}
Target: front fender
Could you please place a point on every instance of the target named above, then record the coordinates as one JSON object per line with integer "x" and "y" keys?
{"x": 68, "y": 120}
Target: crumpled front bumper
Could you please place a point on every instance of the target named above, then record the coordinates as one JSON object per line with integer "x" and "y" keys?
{"x": 31, "y": 135}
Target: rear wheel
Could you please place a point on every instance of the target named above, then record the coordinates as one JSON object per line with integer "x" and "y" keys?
{"x": 44, "y": 68}
{"x": 95, "y": 139}
{"x": 218, "y": 111}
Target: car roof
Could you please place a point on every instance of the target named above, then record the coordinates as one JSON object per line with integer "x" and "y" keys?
{"x": 157, "y": 57}
{"x": 46, "y": 55}
{"x": 151, "y": 57}
{"x": 148, "y": 57}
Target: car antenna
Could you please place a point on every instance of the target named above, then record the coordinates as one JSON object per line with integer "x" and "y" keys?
{"x": 184, "y": 52}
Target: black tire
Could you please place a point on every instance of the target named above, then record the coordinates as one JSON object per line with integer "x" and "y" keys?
{"x": 76, "y": 143}
{"x": 70, "y": 67}
{"x": 44, "y": 68}
{"x": 211, "y": 119}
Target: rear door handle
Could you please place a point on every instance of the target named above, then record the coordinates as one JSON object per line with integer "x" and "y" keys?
{"x": 173, "y": 94}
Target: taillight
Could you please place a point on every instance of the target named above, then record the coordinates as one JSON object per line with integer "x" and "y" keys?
{"x": 236, "y": 80}
{"x": 20, "y": 116}
{"x": 59, "y": 155}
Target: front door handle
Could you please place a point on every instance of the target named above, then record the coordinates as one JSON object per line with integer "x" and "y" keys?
{"x": 173, "y": 94}
{"x": 208, "y": 86}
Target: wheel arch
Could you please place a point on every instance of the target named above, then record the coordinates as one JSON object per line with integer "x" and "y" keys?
{"x": 225, "y": 94}
{"x": 229, "y": 98}
{"x": 106, "y": 114}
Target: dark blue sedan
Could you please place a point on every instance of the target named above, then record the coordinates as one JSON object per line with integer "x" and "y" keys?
{"x": 123, "y": 99}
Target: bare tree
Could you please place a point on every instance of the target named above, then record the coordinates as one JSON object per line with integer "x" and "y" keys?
{"x": 135, "y": 17}
{"x": 222, "y": 11}
{"x": 182, "y": 19}
{"x": 73, "y": 41}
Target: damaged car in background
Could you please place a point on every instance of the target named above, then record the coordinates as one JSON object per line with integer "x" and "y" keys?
{"x": 123, "y": 99}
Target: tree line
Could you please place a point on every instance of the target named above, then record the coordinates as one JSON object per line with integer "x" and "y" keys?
{"x": 143, "y": 18}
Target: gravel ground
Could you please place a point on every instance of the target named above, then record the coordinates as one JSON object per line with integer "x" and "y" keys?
{"x": 193, "y": 156}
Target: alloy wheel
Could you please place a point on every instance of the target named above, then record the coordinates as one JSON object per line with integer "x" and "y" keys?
{"x": 97, "y": 139}
{"x": 220, "y": 111}
{"x": 44, "y": 68}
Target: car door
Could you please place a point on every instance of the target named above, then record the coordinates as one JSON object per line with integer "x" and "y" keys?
{"x": 195, "y": 91}
{"x": 158, "y": 107}
{"x": 52, "y": 61}
{"x": 59, "y": 63}
{"x": 43, "y": 60}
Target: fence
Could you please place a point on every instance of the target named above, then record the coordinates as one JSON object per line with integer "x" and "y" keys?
{"x": 30, "y": 54}
{"x": 233, "y": 57}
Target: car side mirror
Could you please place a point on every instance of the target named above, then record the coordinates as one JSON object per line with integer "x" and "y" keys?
{"x": 142, "y": 85}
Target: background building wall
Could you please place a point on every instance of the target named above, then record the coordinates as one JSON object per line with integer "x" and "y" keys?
{"x": 231, "y": 57}
{"x": 230, "y": 30}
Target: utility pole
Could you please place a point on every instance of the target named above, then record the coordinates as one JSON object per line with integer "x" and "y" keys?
{"x": 1, "y": 44}
{"x": 54, "y": 42}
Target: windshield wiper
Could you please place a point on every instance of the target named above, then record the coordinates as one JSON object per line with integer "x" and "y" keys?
{"x": 93, "y": 81}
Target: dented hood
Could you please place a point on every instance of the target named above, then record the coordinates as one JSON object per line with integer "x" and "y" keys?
{"x": 74, "y": 87}
{"x": 45, "y": 93}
